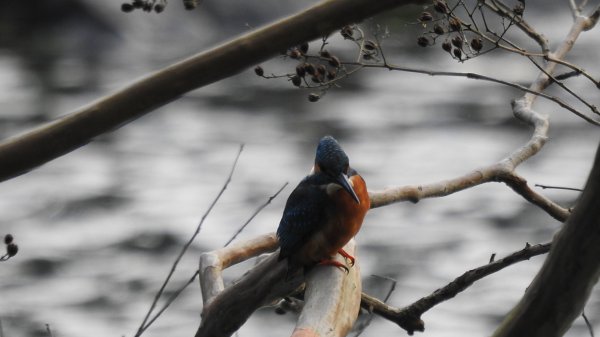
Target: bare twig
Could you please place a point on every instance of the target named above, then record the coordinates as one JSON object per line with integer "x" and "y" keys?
{"x": 476, "y": 76}
{"x": 369, "y": 319}
{"x": 48, "y": 330}
{"x": 502, "y": 10}
{"x": 176, "y": 294}
{"x": 144, "y": 326}
{"x": 169, "y": 301}
{"x": 558, "y": 187}
{"x": 260, "y": 208}
{"x": 409, "y": 317}
{"x": 588, "y": 324}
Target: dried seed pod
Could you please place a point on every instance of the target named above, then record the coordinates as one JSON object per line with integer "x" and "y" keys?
{"x": 138, "y": 4}
{"x": 476, "y": 44}
{"x": 258, "y": 70}
{"x": 347, "y": 32}
{"x": 190, "y": 4}
{"x": 423, "y": 41}
{"x": 304, "y": 47}
{"x": 315, "y": 78}
{"x": 370, "y": 45}
{"x": 313, "y": 97}
{"x": 519, "y": 9}
{"x": 310, "y": 69}
{"x": 440, "y": 6}
{"x": 439, "y": 30}
{"x": 447, "y": 46}
{"x": 457, "y": 52}
{"x": 331, "y": 74}
{"x": 301, "y": 70}
{"x": 127, "y": 7}
{"x": 321, "y": 69}
{"x": 12, "y": 249}
{"x": 296, "y": 80}
{"x": 147, "y": 7}
{"x": 457, "y": 41}
{"x": 454, "y": 24}
{"x": 158, "y": 8}
{"x": 295, "y": 54}
{"x": 8, "y": 239}
{"x": 425, "y": 16}
{"x": 334, "y": 61}
{"x": 324, "y": 53}
{"x": 367, "y": 56}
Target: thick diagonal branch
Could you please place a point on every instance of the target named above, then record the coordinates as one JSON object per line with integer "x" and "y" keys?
{"x": 21, "y": 154}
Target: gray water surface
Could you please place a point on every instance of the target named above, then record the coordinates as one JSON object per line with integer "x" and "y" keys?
{"x": 99, "y": 228}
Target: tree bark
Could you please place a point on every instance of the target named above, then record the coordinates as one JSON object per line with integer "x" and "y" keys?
{"x": 560, "y": 290}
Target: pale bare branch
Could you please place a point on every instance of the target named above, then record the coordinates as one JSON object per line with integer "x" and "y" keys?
{"x": 332, "y": 297}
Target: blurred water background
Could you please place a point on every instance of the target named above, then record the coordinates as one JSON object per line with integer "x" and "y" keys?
{"x": 99, "y": 228}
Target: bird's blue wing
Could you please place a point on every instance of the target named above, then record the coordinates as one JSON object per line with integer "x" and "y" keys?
{"x": 303, "y": 215}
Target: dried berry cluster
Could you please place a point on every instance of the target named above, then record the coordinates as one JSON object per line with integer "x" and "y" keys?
{"x": 463, "y": 40}
{"x": 443, "y": 23}
{"x": 11, "y": 247}
{"x": 154, "y": 5}
{"x": 319, "y": 70}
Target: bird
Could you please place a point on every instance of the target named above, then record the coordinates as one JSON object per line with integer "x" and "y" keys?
{"x": 324, "y": 211}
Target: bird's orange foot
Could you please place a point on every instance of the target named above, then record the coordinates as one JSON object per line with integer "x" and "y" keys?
{"x": 335, "y": 264}
{"x": 347, "y": 256}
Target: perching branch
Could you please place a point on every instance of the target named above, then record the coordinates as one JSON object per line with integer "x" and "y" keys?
{"x": 332, "y": 297}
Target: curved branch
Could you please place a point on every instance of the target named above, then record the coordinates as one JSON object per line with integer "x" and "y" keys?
{"x": 560, "y": 290}
{"x": 504, "y": 170}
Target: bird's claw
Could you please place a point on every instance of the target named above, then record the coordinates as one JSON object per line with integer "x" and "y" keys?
{"x": 335, "y": 264}
{"x": 347, "y": 256}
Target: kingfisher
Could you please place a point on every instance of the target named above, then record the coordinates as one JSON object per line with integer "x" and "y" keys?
{"x": 324, "y": 211}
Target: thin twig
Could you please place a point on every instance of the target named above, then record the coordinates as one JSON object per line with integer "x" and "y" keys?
{"x": 476, "y": 76}
{"x": 171, "y": 299}
{"x": 558, "y": 188}
{"x": 563, "y": 86}
{"x": 176, "y": 294}
{"x": 589, "y": 325}
{"x": 575, "y": 10}
{"x": 260, "y": 208}
{"x": 143, "y": 326}
{"x": 48, "y": 330}
{"x": 364, "y": 326}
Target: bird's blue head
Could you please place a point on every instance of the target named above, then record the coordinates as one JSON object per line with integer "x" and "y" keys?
{"x": 333, "y": 161}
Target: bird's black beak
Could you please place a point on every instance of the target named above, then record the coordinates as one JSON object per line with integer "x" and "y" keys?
{"x": 343, "y": 180}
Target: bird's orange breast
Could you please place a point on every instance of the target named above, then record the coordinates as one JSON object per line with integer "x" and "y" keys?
{"x": 349, "y": 214}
